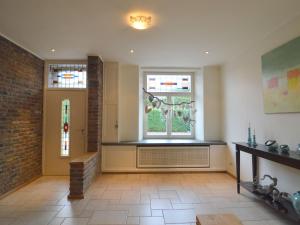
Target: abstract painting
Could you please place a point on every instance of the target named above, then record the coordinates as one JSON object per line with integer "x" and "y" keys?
{"x": 281, "y": 78}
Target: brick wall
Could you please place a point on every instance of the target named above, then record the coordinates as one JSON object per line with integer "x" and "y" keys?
{"x": 21, "y": 104}
{"x": 83, "y": 171}
{"x": 95, "y": 96}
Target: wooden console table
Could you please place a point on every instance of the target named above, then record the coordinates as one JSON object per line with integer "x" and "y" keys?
{"x": 292, "y": 159}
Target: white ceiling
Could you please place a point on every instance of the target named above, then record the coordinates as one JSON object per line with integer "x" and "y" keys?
{"x": 182, "y": 31}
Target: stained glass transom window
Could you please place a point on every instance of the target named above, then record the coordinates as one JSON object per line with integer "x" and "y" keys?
{"x": 168, "y": 83}
{"x": 67, "y": 76}
{"x": 65, "y": 128}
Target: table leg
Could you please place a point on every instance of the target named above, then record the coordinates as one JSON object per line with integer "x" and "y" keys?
{"x": 254, "y": 167}
{"x": 238, "y": 179}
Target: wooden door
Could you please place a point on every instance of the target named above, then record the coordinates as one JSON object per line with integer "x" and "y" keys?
{"x": 56, "y": 163}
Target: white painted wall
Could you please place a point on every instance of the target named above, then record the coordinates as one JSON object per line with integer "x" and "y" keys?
{"x": 128, "y": 103}
{"x": 212, "y": 102}
{"x": 207, "y": 96}
{"x": 243, "y": 102}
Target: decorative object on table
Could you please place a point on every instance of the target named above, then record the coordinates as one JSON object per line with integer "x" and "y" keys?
{"x": 294, "y": 199}
{"x": 284, "y": 149}
{"x": 281, "y": 77}
{"x": 276, "y": 195}
{"x": 166, "y": 107}
{"x": 249, "y": 135}
{"x": 265, "y": 189}
{"x": 283, "y": 207}
{"x": 298, "y": 150}
{"x": 272, "y": 145}
{"x": 256, "y": 181}
{"x": 254, "y": 144}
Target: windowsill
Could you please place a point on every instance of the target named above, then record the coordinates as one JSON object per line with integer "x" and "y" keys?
{"x": 167, "y": 142}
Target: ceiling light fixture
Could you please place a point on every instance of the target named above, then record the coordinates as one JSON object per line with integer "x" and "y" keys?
{"x": 131, "y": 51}
{"x": 140, "y": 22}
{"x": 206, "y": 52}
{"x": 52, "y": 50}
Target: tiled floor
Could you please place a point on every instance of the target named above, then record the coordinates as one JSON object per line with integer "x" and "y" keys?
{"x": 145, "y": 199}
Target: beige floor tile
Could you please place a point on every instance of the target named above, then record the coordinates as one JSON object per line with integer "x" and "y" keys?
{"x": 168, "y": 194}
{"x": 161, "y": 204}
{"x": 206, "y": 208}
{"x": 134, "y": 198}
{"x": 71, "y": 211}
{"x": 97, "y": 204}
{"x": 152, "y": 221}
{"x": 184, "y": 206}
{"x": 57, "y": 221}
{"x": 188, "y": 196}
{"x": 139, "y": 210}
{"x": 145, "y": 199}
{"x": 75, "y": 221}
{"x": 133, "y": 220}
{"x": 6, "y": 221}
{"x": 108, "y": 217}
{"x": 35, "y": 218}
{"x": 157, "y": 212}
{"x": 179, "y": 216}
{"x": 130, "y": 197}
{"x": 111, "y": 195}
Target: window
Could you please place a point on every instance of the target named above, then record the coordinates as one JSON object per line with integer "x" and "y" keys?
{"x": 67, "y": 76}
{"x": 173, "y": 119}
{"x": 65, "y": 128}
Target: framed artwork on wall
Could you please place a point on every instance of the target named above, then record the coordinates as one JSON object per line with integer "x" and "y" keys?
{"x": 281, "y": 78}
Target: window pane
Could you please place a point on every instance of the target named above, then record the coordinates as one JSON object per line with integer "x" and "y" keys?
{"x": 180, "y": 116}
{"x": 156, "y": 120}
{"x": 67, "y": 76}
{"x": 169, "y": 83}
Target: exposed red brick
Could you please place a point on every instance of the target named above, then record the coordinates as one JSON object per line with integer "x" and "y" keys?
{"x": 82, "y": 174}
{"x": 95, "y": 96}
{"x": 21, "y": 104}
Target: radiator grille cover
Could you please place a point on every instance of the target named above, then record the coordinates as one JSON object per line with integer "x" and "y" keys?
{"x": 172, "y": 157}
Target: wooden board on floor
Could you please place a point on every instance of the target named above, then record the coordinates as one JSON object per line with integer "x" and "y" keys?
{"x": 218, "y": 219}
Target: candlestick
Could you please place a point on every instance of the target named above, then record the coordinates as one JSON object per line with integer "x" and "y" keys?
{"x": 249, "y": 135}
{"x": 254, "y": 144}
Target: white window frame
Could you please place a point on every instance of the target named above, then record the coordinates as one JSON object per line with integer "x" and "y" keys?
{"x": 169, "y": 134}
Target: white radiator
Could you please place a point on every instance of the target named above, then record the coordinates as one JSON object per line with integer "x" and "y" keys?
{"x": 173, "y": 157}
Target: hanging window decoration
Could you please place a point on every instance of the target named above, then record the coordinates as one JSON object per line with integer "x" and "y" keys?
{"x": 67, "y": 76}
{"x": 182, "y": 110}
{"x": 65, "y": 128}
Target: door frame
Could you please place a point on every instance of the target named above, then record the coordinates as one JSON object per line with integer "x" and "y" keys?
{"x": 46, "y": 89}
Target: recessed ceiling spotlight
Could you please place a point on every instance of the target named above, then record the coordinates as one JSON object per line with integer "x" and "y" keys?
{"x": 131, "y": 51}
{"x": 140, "y": 22}
{"x": 52, "y": 50}
{"x": 206, "y": 52}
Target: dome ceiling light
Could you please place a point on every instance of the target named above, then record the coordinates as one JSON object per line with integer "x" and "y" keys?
{"x": 140, "y": 22}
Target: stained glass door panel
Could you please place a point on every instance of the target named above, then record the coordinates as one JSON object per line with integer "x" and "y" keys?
{"x": 65, "y": 127}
